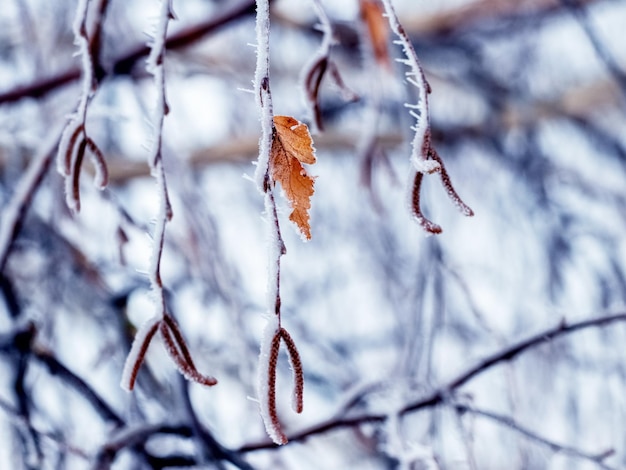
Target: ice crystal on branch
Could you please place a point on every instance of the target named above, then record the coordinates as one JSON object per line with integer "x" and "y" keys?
{"x": 424, "y": 157}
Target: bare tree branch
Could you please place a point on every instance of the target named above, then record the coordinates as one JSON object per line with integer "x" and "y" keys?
{"x": 23, "y": 340}
{"x": 125, "y": 62}
{"x": 442, "y": 394}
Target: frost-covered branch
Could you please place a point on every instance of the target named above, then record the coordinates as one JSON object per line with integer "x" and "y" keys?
{"x": 75, "y": 140}
{"x": 162, "y": 320}
{"x": 135, "y": 437}
{"x": 23, "y": 340}
{"x": 138, "y": 351}
{"x": 268, "y": 357}
{"x": 273, "y": 332}
{"x": 424, "y": 157}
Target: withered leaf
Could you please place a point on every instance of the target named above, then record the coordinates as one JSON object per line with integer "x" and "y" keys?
{"x": 378, "y": 29}
{"x": 291, "y": 146}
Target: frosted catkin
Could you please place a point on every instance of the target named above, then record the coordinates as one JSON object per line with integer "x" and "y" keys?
{"x": 133, "y": 360}
{"x": 265, "y": 384}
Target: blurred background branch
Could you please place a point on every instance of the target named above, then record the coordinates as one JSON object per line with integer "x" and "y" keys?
{"x": 411, "y": 347}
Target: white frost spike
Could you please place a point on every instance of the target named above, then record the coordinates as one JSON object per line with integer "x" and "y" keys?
{"x": 155, "y": 66}
{"x": 262, "y": 90}
{"x": 415, "y": 76}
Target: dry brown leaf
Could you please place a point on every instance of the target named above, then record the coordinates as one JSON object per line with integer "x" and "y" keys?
{"x": 378, "y": 29}
{"x": 291, "y": 146}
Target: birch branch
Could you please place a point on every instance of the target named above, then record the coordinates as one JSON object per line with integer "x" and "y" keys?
{"x": 161, "y": 321}
{"x": 442, "y": 394}
{"x": 424, "y": 157}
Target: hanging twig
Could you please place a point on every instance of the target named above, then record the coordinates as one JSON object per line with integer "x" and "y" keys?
{"x": 319, "y": 65}
{"x": 75, "y": 140}
{"x": 424, "y": 157}
{"x": 273, "y": 332}
{"x": 161, "y": 321}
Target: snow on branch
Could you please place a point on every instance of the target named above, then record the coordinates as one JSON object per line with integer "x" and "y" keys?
{"x": 75, "y": 141}
{"x": 137, "y": 353}
{"x": 296, "y": 144}
{"x": 424, "y": 157}
{"x": 162, "y": 321}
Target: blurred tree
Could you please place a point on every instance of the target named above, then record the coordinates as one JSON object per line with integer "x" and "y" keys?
{"x": 495, "y": 344}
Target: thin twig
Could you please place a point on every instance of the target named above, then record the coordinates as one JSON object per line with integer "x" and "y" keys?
{"x": 137, "y": 353}
{"x": 424, "y": 158}
{"x": 441, "y": 394}
{"x": 16, "y": 418}
{"x": 580, "y": 13}
{"x": 125, "y": 62}
{"x": 57, "y": 368}
{"x": 170, "y": 332}
{"x": 75, "y": 140}
{"x": 14, "y": 213}
{"x": 270, "y": 344}
{"x": 509, "y": 422}
{"x": 317, "y": 67}
{"x": 22, "y": 340}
